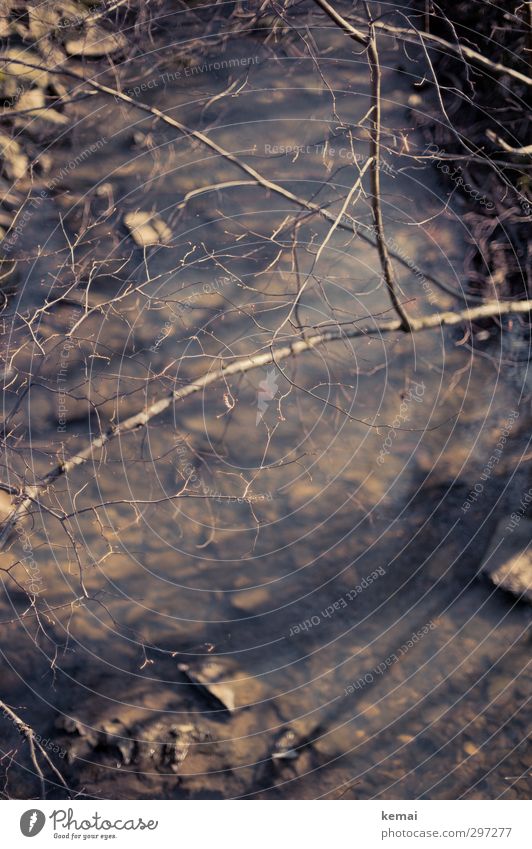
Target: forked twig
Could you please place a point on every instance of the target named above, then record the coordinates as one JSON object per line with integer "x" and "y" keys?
{"x": 370, "y": 43}
{"x": 27, "y": 732}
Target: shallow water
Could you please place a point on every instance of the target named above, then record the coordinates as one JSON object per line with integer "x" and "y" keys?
{"x": 353, "y": 537}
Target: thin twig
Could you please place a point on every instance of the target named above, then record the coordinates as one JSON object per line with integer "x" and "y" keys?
{"x": 257, "y": 178}
{"x": 382, "y": 248}
{"x": 460, "y": 49}
{"x": 375, "y": 152}
{"x": 29, "y": 735}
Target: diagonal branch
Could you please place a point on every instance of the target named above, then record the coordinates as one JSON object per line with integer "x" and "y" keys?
{"x": 240, "y": 365}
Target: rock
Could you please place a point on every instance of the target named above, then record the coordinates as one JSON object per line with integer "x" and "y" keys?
{"x": 169, "y": 746}
{"x": 14, "y": 72}
{"x": 501, "y": 687}
{"x": 211, "y": 677}
{"x": 43, "y": 20}
{"x": 508, "y": 563}
{"x": 46, "y": 20}
{"x": 175, "y": 748}
{"x": 15, "y": 162}
{"x": 108, "y": 738}
{"x": 79, "y": 740}
{"x": 115, "y": 734}
{"x": 250, "y": 601}
{"x": 147, "y": 228}
{"x": 71, "y": 726}
{"x": 33, "y": 103}
{"x": 40, "y": 111}
{"x": 96, "y": 42}
{"x": 31, "y": 99}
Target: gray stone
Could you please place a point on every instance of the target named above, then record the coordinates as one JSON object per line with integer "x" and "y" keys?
{"x": 211, "y": 677}
{"x": 146, "y": 228}
{"x": 96, "y": 42}
{"x": 508, "y": 563}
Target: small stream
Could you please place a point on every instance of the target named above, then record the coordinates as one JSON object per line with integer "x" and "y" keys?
{"x": 323, "y": 562}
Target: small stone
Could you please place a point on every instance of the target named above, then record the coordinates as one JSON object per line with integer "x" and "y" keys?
{"x": 284, "y": 746}
{"x": 405, "y": 738}
{"x": 15, "y": 162}
{"x": 104, "y": 190}
{"x": 15, "y": 69}
{"x": 175, "y": 749}
{"x": 95, "y": 42}
{"x": 6, "y": 505}
{"x": 66, "y": 723}
{"x": 501, "y": 688}
{"x": 210, "y": 676}
{"x": 33, "y": 104}
{"x": 249, "y": 601}
{"x": 32, "y": 99}
{"x": 42, "y": 20}
{"x": 147, "y": 229}
{"x": 114, "y": 733}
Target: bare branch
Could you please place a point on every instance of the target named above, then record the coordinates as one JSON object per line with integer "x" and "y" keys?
{"x": 245, "y": 364}
{"x": 460, "y": 50}
{"x": 29, "y": 735}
